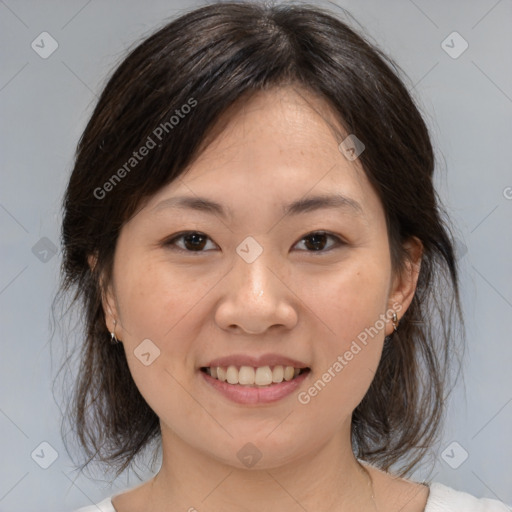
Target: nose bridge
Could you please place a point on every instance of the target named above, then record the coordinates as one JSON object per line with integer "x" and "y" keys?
{"x": 254, "y": 277}
{"x": 254, "y": 299}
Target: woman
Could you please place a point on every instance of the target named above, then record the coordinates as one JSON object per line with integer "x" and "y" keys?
{"x": 252, "y": 232}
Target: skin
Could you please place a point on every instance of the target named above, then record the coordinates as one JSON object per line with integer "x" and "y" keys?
{"x": 272, "y": 149}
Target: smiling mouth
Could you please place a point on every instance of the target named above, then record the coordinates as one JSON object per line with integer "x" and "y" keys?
{"x": 262, "y": 376}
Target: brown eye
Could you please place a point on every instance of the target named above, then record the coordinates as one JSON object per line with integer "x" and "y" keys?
{"x": 191, "y": 241}
{"x": 195, "y": 241}
{"x": 319, "y": 241}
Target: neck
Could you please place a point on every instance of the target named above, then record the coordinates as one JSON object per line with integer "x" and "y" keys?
{"x": 331, "y": 478}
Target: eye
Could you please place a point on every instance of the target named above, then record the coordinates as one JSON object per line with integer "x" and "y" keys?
{"x": 318, "y": 241}
{"x": 191, "y": 241}
{"x": 195, "y": 241}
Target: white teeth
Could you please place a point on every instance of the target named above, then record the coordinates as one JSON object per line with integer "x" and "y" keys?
{"x": 278, "y": 374}
{"x": 249, "y": 376}
{"x": 221, "y": 374}
{"x": 246, "y": 375}
{"x": 288, "y": 373}
{"x": 232, "y": 375}
{"x": 263, "y": 376}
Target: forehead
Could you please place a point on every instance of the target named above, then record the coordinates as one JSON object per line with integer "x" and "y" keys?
{"x": 275, "y": 146}
{"x": 287, "y": 123}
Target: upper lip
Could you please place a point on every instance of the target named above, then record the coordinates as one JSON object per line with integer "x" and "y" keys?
{"x": 256, "y": 361}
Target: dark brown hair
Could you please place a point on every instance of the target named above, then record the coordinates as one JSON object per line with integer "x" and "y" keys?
{"x": 208, "y": 59}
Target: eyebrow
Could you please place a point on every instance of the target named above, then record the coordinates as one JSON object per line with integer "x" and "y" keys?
{"x": 302, "y": 205}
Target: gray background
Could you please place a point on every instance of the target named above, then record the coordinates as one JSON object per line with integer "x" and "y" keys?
{"x": 45, "y": 104}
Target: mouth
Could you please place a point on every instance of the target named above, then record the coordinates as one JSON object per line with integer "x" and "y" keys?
{"x": 256, "y": 377}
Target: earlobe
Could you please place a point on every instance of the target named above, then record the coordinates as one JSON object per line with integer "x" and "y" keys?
{"x": 113, "y": 337}
{"x": 107, "y": 299}
{"x": 404, "y": 285}
{"x": 92, "y": 260}
{"x": 109, "y": 309}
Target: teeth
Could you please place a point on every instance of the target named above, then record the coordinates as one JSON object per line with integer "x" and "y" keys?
{"x": 263, "y": 376}
{"x": 288, "y": 373}
{"x": 246, "y": 375}
{"x": 232, "y": 375}
{"x": 249, "y": 376}
{"x": 278, "y": 374}
{"x": 221, "y": 373}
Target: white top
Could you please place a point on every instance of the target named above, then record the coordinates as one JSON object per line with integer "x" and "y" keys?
{"x": 441, "y": 499}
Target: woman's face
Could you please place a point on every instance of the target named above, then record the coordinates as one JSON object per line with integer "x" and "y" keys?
{"x": 270, "y": 251}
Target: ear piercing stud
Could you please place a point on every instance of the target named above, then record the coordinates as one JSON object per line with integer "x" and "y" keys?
{"x": 113, "y": 338}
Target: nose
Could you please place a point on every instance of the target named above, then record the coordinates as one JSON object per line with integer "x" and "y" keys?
{"x": 255, "y": 299}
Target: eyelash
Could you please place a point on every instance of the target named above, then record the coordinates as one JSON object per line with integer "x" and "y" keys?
{"x": 172, "y": 241}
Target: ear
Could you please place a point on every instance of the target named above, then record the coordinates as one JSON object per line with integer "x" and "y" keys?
{"x": 404, "y": 283}
{"x": 107, "y": 297}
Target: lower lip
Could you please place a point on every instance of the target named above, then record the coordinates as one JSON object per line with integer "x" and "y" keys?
{"x": 255, "y": 395}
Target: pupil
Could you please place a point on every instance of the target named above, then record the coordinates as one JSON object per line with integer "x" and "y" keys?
{"x": 317, "y": 241}
{"x": 195, "y": 241}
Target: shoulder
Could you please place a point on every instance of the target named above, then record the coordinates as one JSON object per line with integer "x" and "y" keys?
{"x": 408, "y": 496}
{"x": 103, "y": 506}
{"x": 446, "y": 499}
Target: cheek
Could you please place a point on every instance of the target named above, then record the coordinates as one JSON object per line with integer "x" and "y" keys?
{"x": 161, "y": 304}
{"x": 351, "y": 307}
{"x": 156, "y": 304}
{"x": 348, "y": 301}
{"x": 154, "y": 298}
